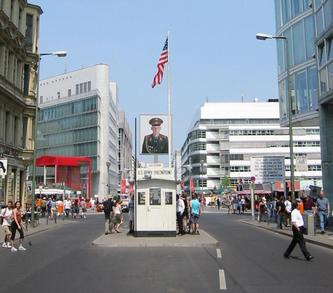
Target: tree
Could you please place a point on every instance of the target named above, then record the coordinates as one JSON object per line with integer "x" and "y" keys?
{"x": 225, "y": 183}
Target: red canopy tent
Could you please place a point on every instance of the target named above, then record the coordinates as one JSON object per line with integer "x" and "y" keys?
{"x": 67, "y": 169}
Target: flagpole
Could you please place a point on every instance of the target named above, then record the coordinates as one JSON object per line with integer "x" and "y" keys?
{"x": 169, "y": 105}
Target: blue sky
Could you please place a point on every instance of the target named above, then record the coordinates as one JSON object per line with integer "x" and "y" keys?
{"x": 214, "y": 54}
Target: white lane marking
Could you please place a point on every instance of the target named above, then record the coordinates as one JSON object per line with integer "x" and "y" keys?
{"x": 219, "y": 253}
{"x": 223, "y": 285}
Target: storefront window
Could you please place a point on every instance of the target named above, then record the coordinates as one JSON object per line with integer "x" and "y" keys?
{"x": 155, "y": 196}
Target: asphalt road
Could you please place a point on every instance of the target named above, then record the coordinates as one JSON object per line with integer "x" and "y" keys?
{"x": 63, "y": 260}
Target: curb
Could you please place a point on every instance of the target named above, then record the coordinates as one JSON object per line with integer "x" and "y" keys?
{"x": 316, "y": 242}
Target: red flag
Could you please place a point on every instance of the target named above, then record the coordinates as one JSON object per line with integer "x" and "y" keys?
{"x": 123, "y": 186}
{"x": 160, "y": 65}
{"x": 192, "y": 185}
{"x": 131, "y": 187}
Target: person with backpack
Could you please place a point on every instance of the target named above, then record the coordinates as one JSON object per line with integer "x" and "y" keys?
{"x": 108, "y": 213}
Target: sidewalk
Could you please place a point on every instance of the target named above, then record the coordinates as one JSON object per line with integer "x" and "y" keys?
{"x": 325, "y": 240}
{"x": 124, "y": 240}
{"x": 40, "y": 228}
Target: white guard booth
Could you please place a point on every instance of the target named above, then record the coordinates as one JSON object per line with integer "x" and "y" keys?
{"x": 155, "y": 202}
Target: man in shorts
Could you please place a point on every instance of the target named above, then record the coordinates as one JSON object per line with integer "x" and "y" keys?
{"x": 195, "y": 214}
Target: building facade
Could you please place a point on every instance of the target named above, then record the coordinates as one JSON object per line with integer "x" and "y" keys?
{"x": 309, "y": 28}
{"x": 19, "y": 32}
{"x": 323, "y": 15}
{"x": 78, "y": 117}
{"x": 294, "y": 20}
{"x": 225, "y": 136}
{"x": 125, "y": 168}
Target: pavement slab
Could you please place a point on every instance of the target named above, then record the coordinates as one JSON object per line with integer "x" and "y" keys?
{"x": 128, "y": 240}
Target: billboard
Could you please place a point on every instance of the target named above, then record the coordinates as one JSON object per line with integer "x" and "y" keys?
{"x": 267, "y": 169}
{"x": 154, "y": 130}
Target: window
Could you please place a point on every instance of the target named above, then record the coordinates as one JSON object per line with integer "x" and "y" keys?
{"x": 168, "y": 198}
{"x": 319, "y": 22}
{"x": 299, "y": 43}
{"x": 155, "y": 196}
{"x": 309, "y": 37}
{"x": 278, "y": 17}
{"x": 41, "y": 99}
{"x": 69, "y": 92}
{"x": 81, "y": 88}
{"x": 141, "y": 198}
{"x": 58, "y": 95}
{"x": 328, "y": 11}
{"x": 330, "y": 48}
{"x": 24, "y": 131}
{"x": 323, "y": 80}
{"x": 85, "y": 87}
{"x": 296, "y": 7}
{"x": 28, "y": 32}
{"x": 322, "y": 55}
{"x": 301, "y": 92}
{"x": 313, "y": 87}
{"x": 89, "y": 86}
{"x": 77, "y": 89}
{"x": 285, "y": 11}
{"x": 330, "y": 76}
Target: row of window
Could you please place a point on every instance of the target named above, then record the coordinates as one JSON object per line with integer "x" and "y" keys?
{"x": 237, "y": 121}
{"x": 323, "y": 15}
{"x": 197, "y": 134}
{"x": 68, "y": 109}
{"x": 241, "y": 169}
{"x": 300, "y": 44}
{"x": 79, "y": 121}
{"x": 304, "y": 92}
{"x": 251, "y": 132}
{"x": 197, "y": 147}
{"x": 288, "y": 9}
{"x": 64, "y": 138}
{"x": 83, "y": 87}
{"x": 85, "y": 149}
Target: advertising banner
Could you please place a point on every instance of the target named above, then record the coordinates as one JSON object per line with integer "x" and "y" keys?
{"x": 154, "y": 134}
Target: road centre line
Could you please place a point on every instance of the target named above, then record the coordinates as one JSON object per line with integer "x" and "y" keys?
{"x": 223, "y": 285}
{"x": 219, "y": 253}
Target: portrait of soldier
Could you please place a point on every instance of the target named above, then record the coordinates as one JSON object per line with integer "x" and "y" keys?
{"x": 155, "y": 143}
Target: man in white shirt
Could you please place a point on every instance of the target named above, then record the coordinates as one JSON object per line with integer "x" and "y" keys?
{"x": 287, "y": 203}
{"x": 67, "y": 206}
{"x": 298, "y": 229}
{"x": 180, "y": 206}
{"x": 7, "y": 214}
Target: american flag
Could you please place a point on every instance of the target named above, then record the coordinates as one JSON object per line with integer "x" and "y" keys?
{"x": 160, "y": 65}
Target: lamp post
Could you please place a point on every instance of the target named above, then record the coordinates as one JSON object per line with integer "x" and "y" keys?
{"x": 264, "y": 37}
{"x": 58, "y": 54}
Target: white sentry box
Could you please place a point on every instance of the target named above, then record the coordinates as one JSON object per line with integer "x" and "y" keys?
{"x": 155, "y": 208}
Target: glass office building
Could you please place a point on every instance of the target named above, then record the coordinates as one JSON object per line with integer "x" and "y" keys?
{"x": 323, "y": 15}
{"x": 294, "y": 19}
{"x": 308, "y": 24}
{"x": 79, "y": 117}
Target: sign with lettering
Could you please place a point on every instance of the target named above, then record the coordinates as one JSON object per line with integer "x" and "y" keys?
{"x": 267, "y": 168}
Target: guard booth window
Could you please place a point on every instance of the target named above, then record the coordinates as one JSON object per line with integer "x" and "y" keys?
{"x": 141, "y": 198}
{"x": 168, "y": 198}
{"x": 155, "y": 196}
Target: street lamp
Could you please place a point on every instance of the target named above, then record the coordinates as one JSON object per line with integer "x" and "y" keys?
{"x": 264, "y": 37}
{"x": 58, "y": 54}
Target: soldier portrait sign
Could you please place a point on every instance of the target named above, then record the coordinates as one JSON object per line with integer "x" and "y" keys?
{"x": 153, "y": 134}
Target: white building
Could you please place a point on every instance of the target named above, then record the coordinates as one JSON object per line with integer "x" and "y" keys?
{"x": 79, "y": 117}
{"x": 225, "y": 136}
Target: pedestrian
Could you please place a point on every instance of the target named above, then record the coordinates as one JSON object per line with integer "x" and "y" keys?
{"x": 54, "y": 211}
{"x": 48, "y": 208}
{"x": 218, "y": 201}
{"x": 309, "y": 205}
{"x": 280, "y": 212}
{"x": 243, "y": 204}
{"x": 118, "y": 215}
{"x": 131, "y": 213}
{"x": 83, "y": 209}
{"x": 186, "y": 218}
{"x": 60, "y": 208}
{"x": 180, "y": 207}
{"x": 323, "y": 208}
{"x": 67, "y": 206}
{"x": 234, "y": 204}
{"x": 17, "y": 225}
{"x": 7, "y": 216}
{"x": 195, "y": 214}
{"x": 108, "y": 210}
{"x": 288, "y": 207}
{"x": 298, "y": 230}
{"x": 262, "y": 209}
